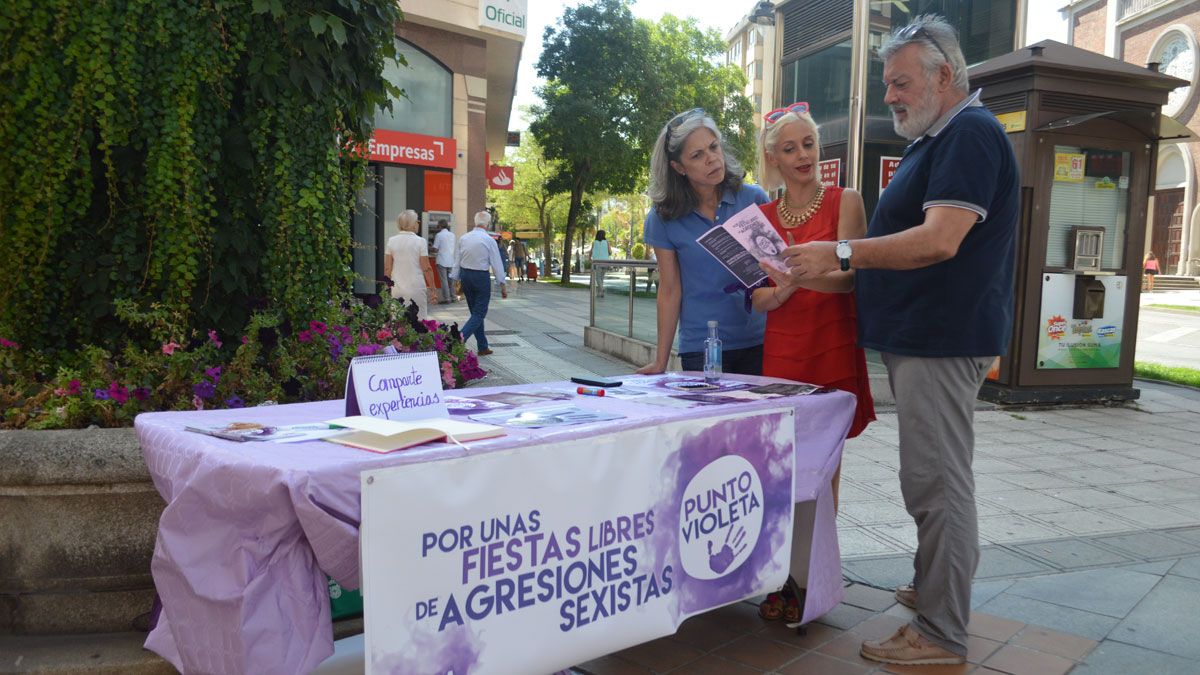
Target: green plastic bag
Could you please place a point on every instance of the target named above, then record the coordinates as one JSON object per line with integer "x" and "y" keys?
{"x": 344, "y": 604}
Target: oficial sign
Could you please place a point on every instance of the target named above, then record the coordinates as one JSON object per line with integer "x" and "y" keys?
{"x": 510, "y": 16}
{"x": 398, "y": 147}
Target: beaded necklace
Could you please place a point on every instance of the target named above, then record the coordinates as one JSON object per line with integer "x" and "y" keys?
{"x": 795, "y": 220}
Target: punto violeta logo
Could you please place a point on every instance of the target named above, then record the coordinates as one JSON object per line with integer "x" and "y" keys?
{"x": 720, "y": 517}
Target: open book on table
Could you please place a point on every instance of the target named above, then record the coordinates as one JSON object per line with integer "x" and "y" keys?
{"x": 376, "y": 435}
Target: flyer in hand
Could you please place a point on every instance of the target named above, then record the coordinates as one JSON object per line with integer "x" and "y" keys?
{"x": 742, "y": 242}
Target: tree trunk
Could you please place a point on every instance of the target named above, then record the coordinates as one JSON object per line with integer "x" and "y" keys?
{"x": 572, "y": 217}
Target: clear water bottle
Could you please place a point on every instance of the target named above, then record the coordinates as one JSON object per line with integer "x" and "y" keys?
{"x": 712, "y": 354}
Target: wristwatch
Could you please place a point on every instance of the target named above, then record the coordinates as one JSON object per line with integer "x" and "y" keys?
{"x": 843, "y": 253}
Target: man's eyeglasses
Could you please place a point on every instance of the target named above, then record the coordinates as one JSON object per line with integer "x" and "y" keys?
{"x": 776, "y": 114}
{"x": 917, "y": 30}
{"x": 683, "y": 117}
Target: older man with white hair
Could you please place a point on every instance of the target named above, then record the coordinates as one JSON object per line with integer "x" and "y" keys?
{"x": 934, "y": 284}
{"x": 477, "y": 252}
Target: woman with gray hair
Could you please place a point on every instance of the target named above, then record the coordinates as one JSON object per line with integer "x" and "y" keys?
{"x": 407, "y": 263}
{"x": 694, "y": 185}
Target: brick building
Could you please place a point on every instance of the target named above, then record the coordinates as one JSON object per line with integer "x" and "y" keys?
{"x": 1162, "y": 32}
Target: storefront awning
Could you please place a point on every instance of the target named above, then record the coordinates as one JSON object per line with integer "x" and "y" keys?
{"x": 1152, "y": 124}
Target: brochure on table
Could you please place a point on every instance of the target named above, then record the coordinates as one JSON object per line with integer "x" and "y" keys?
{"x": 742, "y": 242}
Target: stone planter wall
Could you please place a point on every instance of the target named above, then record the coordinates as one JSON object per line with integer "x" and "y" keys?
{"x": 78, "y": 517}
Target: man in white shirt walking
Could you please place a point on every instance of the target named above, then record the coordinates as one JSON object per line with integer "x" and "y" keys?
{"x": 444, "y": 243}
{"x": 477, "y": 251}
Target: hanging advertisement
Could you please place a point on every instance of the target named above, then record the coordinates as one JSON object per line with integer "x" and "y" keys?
{"x": 1065, "y": 342}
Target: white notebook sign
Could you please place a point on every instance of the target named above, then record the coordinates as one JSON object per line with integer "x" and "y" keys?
{"x": 396, "y": 386}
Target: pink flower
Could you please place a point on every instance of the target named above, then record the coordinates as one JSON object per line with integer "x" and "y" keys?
{"x": 447, "y": 374}
{"x": 213, "y": 338}
{"x": 245, "y": 339}
{"x": 317, "y": 327}
{"x": 169, "y": 348}
{"x": 117, "y": 392}
{"x": 383, "y": 334}
{"x": 198, "y": 402}
{"x": 9, "y": 343}
{"x": 304, "y": 336}
{"x": 431, "y": 324}
{"x": 73, "y": 387}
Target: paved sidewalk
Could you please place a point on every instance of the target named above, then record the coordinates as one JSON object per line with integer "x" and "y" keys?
{"x": 1089, "y": 518}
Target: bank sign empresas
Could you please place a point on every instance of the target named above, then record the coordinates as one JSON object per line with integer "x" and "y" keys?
{"x": 507, "y": 15}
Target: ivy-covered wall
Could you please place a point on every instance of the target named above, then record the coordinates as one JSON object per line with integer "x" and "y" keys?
{"x": 184, "y": 153}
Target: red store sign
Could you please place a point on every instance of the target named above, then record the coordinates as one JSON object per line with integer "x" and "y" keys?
{"x": 831, "y": 171}
{"x": 887, "y": 169}
{"x": 398, "y": 147}
{"x": 500, "y": 177}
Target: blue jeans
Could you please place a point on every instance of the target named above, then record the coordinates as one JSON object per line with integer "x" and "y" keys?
{"x": 477, "y": 287}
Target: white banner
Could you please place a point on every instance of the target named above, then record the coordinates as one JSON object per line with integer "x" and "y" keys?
{"x": 534, "y": 559}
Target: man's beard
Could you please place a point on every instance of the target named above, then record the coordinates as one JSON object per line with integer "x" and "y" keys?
{"x": 919, "y": 119}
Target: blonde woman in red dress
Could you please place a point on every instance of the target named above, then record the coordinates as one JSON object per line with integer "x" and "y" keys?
{"x": 812, "y": 332}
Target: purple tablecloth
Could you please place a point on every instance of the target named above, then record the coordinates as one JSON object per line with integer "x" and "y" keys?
{"x": 251, "y": 529}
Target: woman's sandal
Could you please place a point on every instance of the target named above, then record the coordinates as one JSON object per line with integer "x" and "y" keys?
{"x": 771, "y": 609}
{"x": 783, "y": 604}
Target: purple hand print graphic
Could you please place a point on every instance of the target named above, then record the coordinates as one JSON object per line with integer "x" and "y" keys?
{"x": 721, "y": 560}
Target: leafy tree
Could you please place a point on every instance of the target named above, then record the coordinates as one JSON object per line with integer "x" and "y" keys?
{"x": 611, "y": 83}
{"x": 187, "y": 157}
{"x": 590, "y": 118}
{"x": 532, "y": 201}
{"x": 688, "y": 72}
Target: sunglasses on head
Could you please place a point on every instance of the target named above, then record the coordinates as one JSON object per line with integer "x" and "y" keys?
{"x": 917, "y": 30}
{"x": 776, "y": 114}
{"x": 683, "y": 117}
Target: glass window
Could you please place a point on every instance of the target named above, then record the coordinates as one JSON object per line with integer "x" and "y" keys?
{"x": 822, "y": 79}
{"x": 430, "y": 89}
{"x": 363, "y": 232}
{"x": 1090, "y": 188}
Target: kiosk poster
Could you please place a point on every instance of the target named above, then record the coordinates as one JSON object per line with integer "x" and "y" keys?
{"x": 1069, "y": 166}
{"x": 580, "y": 548}
{"x": 1066, "y": 342}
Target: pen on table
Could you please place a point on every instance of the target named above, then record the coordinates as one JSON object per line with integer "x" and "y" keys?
{"x": 589, "y": 391}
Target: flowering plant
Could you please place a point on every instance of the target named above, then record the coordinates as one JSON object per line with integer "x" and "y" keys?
{"x": 272, "y": 360}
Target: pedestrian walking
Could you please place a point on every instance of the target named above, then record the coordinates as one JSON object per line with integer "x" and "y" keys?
{"x": 934, "y": 283}
{"x": 477, "y": 253}
{"x": 519, "y": 253}
{"x": 1150, "y": 270}
{"x": 407, "y": 261}
{"x": 443, "y": 244}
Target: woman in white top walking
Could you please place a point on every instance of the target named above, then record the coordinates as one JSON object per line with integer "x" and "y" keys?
{"x": 407, "y": 263}
{"x": 599, "y": 252}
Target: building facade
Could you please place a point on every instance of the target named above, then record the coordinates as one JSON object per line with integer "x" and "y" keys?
{"x": 826, "y": 51}
{"x": 1162, "y": 32}
{"x": 750, "y": 45}
{"x": 430, "y": 152}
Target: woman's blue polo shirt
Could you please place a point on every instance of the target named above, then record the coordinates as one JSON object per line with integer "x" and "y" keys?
{"x": 704, "y": 279}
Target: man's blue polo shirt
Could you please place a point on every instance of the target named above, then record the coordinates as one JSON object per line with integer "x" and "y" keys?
{"x": 962, "y": 306}
{"x": 704, "y": 279}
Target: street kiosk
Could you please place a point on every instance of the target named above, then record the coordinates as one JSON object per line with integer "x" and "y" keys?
{"x": 1085, "y": 129}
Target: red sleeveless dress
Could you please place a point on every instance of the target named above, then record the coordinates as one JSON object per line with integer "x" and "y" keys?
{"x": 813, "y": 336}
